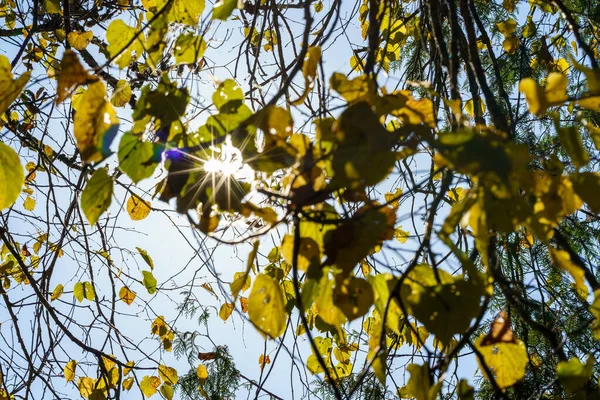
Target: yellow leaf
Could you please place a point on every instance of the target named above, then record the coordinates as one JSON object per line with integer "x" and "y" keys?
{"x": 128, "y": 367}
{"x": 69, "y": 371}
{"x": 506, "y": 360}
{"x": 168, "y": 374}
{"x": 309, "y": 71}
{"x": 121, "y": 94}
{"x": 119, "y": 35}
{"x": 80, "y": 40}
{"x": 591, "y": 103}
{"x": 189, "y": 48}
{"x": 12, "y": 174}
{"x": 263, "y": 360}
{"x": 182, "y": 11}
{"x": 149, "y": 385}
{"x": 85, "y": 386}
{"x": 508, "y": 27}
{"x": 353, "y": 296}
{"x": 126, "y": 295}
{"x": 167, "y": 391}
{"x": 419, "y": 385}
{"x": 511, "y": 44}
{"x": 128, "y": 383}
{"x": 266, "y": 306}
{"x": 10, "y": 89}
{"x": 575, "y": 375}
{"x": 137, "y": 208}
{"x": 401, "y": 235}
{"x": 562, "y": 259}
{"x": 538, "y": 99}
{"x": 57, "y": 292}
{"x": 84, "y": 290}
{"x": 470, "y": 107}
{"x": 95, "y": 124}
{"x": 70, "y": 76}
{"x": 202, "y": 373}
{"x": 225, "y": 311}
{"x": 456, "y": 194}
{"x": 29, "y": 203}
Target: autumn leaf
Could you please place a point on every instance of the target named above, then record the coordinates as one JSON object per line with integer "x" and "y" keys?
{"x": 70, "y": 76}
{"x": 126, "y": 295}
{"x": 95, "y": 124}
{"x": 12, "y": 175}
{"x": 266, "y": 306}
{"x": 137, "y": 208}
{"x": 69, "y": 371}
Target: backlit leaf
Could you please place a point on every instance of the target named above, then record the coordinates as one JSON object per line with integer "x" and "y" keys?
{"x": 137, "y": 208}
{"x": 225, "y": 311}
{"x": 149, "y": 385}
{"x": 574, "y": 375}
{"x": 266, "y": 306}
{"x": 80, "y": 40}
{"x": 223, "y": 9}
{"x": 69, "y": 371}
{"x": 149, "y": 282}
{"x": 136, "y": 157}
{"x": 146, "y": 257}
{"x": 71, "y": 75}
{"x": 126, "y": 295}
{"x": 97, "y": 195}
{"x": 95, "y": 124}
{"x": 122, "y": 94}
{"x": 507, "y": 361}
{"x": 189, "y": 48}
{"x": 309, "y": 71}
{"x": 10, "y": 89}
{"x": 168, "y": 374}
{"x": 84, "y": 290}
{"x": 12, "y": 176}
{"x": 119, "y": 35}
{"x": 57, "y": 292}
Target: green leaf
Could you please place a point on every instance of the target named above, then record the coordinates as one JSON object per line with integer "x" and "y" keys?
{"x": 119, "y": 35}
{"x": 223, "y": 9}
{"x": 226, "y": 92}
{"x": 266, "y": 306}
{"x": 97, "y": 195}
{"x": 189, "y": 48}
{"x": 137, "y": 158}
{"x": 152, "y": 103}
{"x": 146, "y": 257}
{"x": 12, "y": 176}
{"x": 149, "y": 282}
{"x": 506, "y": 360}
{"x": 84, "y": 290}
{"x": 182, "y": 11}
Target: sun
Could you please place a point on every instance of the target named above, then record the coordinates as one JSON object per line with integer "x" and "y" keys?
{"x": 227, "y": 162}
